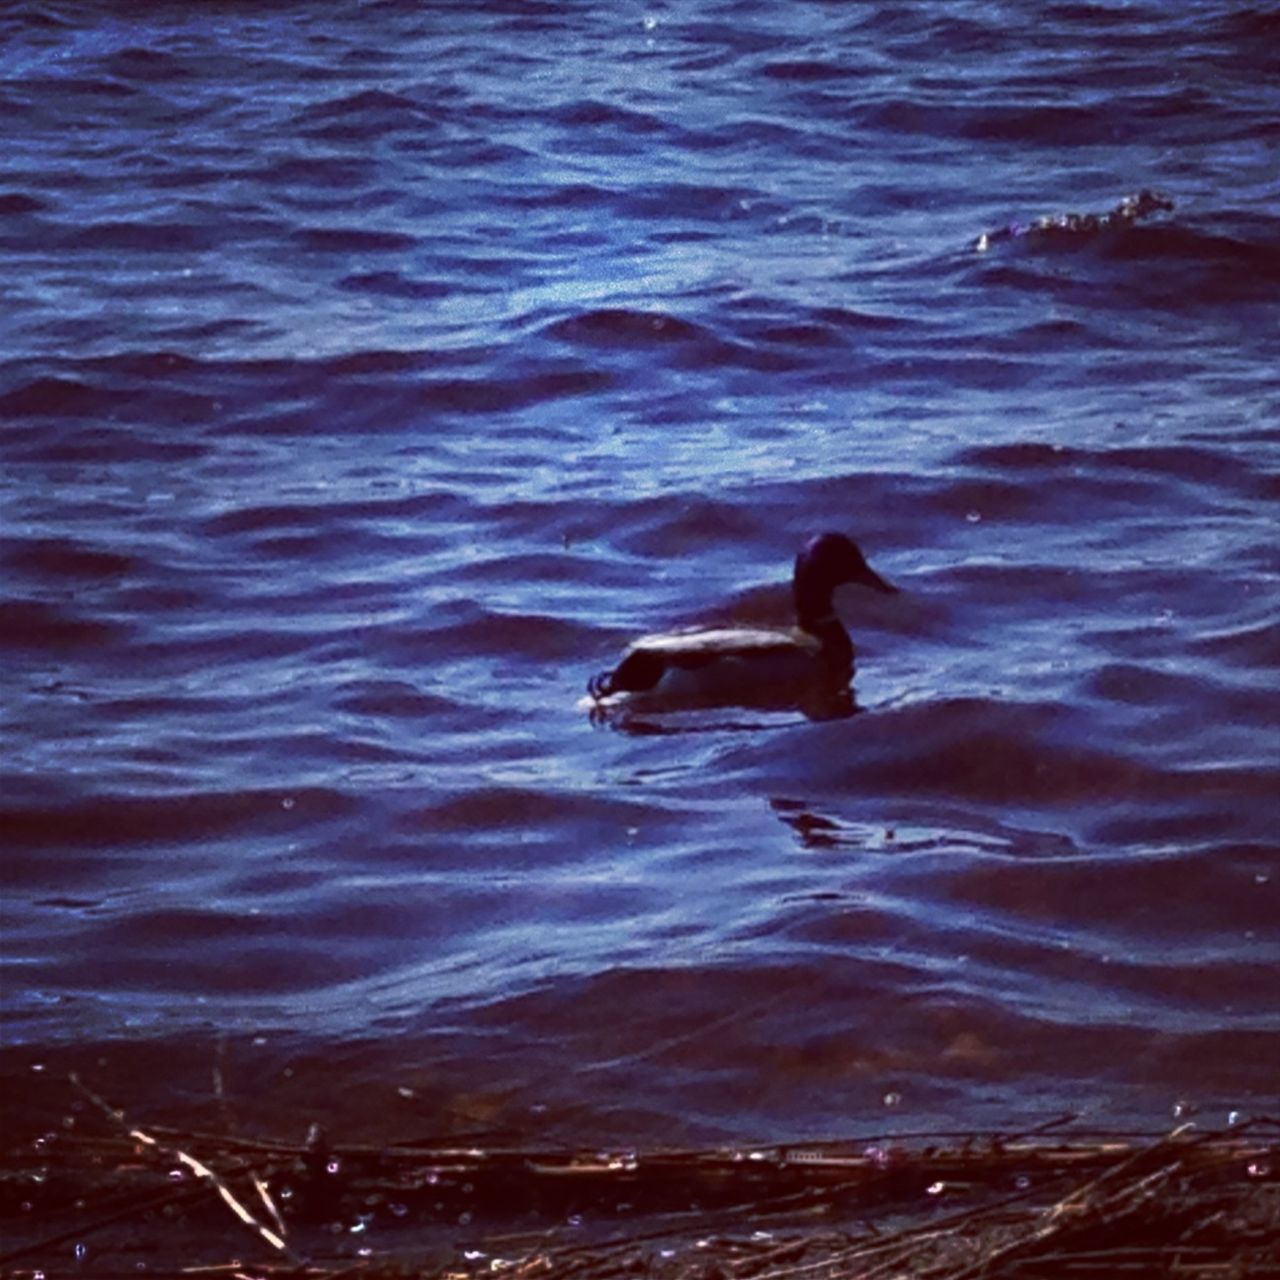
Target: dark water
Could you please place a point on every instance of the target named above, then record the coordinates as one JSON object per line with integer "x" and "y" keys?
{"x": 371, "y": 371}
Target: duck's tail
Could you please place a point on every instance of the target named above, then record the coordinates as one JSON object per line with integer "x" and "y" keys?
{"x": 638, "y": 672}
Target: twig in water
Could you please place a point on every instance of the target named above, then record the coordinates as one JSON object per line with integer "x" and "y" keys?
{"x": 273, "y": 1238}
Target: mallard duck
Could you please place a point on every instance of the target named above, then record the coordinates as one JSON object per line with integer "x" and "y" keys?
{"x": 748, "y": 664}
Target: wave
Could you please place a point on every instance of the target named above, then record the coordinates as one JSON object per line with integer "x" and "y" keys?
{"x": 122, "y": 822}
{"x": 350, "y": 426}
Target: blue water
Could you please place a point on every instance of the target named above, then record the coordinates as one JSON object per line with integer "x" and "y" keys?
{"x": 370, "y": 372}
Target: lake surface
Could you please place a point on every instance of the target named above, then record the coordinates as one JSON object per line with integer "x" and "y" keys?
{"x": 371, "y": 372}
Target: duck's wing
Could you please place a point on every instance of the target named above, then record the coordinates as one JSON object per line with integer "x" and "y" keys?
{"x": 656, "y": 660}
{"x": 699, "y": 645}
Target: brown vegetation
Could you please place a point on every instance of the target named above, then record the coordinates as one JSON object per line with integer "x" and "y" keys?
{"x": 113, "y": 1198}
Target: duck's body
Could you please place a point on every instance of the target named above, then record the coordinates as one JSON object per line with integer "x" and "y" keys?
{"x": 739, "y": 664}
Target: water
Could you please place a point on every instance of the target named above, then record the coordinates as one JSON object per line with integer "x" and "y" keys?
{"x": 371, "y": 373}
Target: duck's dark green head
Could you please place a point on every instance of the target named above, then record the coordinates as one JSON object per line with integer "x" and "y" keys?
{"x": 826, "y": 562}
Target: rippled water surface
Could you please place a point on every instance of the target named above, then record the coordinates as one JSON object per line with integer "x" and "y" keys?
{"x": 370, "y": 372}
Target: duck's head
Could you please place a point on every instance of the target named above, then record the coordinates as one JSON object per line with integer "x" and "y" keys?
{"x": 825, "y": 562}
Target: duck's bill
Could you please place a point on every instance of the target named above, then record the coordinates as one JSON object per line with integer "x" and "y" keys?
{"x": 868, "y": 577}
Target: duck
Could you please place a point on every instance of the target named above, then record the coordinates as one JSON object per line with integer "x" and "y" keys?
{"x": 709, "y": 665}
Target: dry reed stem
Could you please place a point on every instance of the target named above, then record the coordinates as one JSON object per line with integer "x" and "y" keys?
{"x": 1197, "y": 1206}
{"x": 201, "y": 1170}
